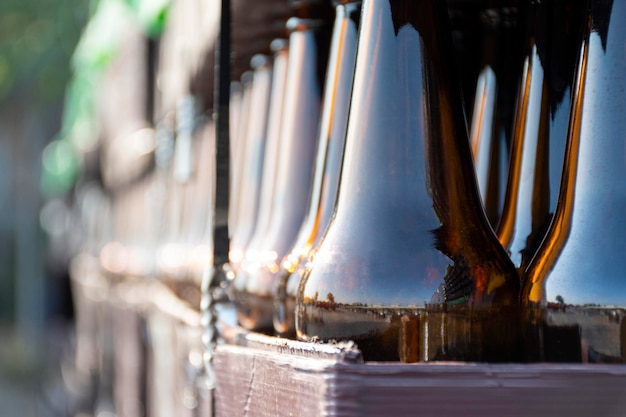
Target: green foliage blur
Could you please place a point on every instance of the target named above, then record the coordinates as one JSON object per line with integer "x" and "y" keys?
{"x": 94, "y": 52}
{"x": 52, "y": 53}
{"x": 37, "y": 39}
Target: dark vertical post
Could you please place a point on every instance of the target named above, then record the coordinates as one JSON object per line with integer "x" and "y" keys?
{"x": 152, "y": 56}
{"x": 220, "y": 225}
{"x": 221, "y": 115}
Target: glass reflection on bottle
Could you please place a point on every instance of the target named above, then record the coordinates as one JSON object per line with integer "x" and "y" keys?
{"x": 540, "y": 126}
{"x": 575, "y": 293}
{"x": 494, "y": 103}
{"x": 409, "y": 267}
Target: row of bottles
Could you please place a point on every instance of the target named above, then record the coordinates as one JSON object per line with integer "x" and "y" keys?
{"x": 362, "y": 201}
{"x": 289, "y": 168}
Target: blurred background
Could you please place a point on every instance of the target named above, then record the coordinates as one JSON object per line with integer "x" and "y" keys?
{"x": 72, "y": 77}
{"x": 38, "y": 39}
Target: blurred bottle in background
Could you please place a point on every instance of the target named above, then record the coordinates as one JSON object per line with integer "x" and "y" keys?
{"x": 336, "y": 103}
{"x": 253, "y": 150}
{"x": 254, "y": 284}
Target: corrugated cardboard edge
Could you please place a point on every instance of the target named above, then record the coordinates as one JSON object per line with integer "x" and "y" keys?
{"x": 334, "y": 351}
{"x": 265, "y": 376}
{"x": 453, "y": 389}
{"x": 259, "y": 375}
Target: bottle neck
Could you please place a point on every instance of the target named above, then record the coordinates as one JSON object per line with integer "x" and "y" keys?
{"x": 540, "y": 127}
{"x": 333, "y": 124}
{"x": 308, "y": 51}
{"x": 407, "y": 146}
{"x": 494, "y": 103}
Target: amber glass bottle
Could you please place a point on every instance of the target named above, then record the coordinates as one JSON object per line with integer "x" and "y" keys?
{"x": 271, "y": 161}
{"x": 538, "y": 143}
{"x": 327, "y": 164}
{"x": 236, "y": 110}
{"x": 171, "y": 253}
{"x": 253, "y": 152}
{"x": 575, "y": 293}
{"x": 237, "y": 156}
{"x": 409, "y": 267}
{"x": 494, "y": 102}
{"x": 201, "y": 225}
{"x": 253, "y": 285}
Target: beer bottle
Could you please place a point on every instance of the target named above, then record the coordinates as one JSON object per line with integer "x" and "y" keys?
{"x": 253, "y": 152}
{"x": 575, "y": 295}
{"x": 237, "y": 163}
{"x": 409, "y": 267}
{"x": 271, "y": 159}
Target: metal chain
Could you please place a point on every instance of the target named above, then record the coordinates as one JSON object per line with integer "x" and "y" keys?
{"x": 209, "y": 324}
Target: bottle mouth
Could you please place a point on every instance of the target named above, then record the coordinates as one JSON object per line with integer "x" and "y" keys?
{"x": 259, "y": 60}
{"x": 347, "y": 5}
{"x": 246, "y": 78}
{"x": 298, "y": 24}
{"x": 279, "y": 44}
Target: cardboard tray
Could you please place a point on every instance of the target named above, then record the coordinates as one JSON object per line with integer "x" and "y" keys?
{"x": 266, "y": 376}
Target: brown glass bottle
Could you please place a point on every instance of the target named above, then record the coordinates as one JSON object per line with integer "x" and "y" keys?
{"x": 254, "y": 150}
{"x": 171, "y": 254}
{"x": 540, "y": 126}
{"x": 271, "y": 159}
{"x": 494, "y": 103}
{"x": 575, "y": 293}
{"x": 409, "y": 267}
{"x": 236, "y": 115}
{"x": 201, "y": 224}
{"x": 237, "y": 157}
{"x": 327, "y": 164}
{"x": 253, "y": 285}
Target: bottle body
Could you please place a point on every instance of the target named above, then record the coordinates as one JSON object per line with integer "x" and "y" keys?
{"x": 573, "y": 297}
{"x": 254, "y": 151}
{"x": 236, "y": 119}
{"x": 409, "y": 248}
{"x": 237, "y": 163}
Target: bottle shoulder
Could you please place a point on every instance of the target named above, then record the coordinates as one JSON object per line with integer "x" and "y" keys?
{"x": 397, "y": 263}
